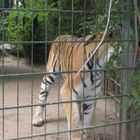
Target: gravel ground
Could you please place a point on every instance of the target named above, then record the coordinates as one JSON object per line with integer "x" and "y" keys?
{"x": 22, "y": 91}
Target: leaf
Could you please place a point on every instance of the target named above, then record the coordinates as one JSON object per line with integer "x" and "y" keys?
{"x": 136, "y": 76}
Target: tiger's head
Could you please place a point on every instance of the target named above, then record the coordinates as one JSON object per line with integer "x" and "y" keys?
{"x": 107, "y": 49}
{"x": 112, "y": 50}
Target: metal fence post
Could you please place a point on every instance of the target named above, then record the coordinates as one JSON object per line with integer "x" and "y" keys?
{"x": 125, "y": 114}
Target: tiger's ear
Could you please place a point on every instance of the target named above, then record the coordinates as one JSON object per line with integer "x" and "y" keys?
{"x": 89, "y": 38}
{"x": 99, "y": 35}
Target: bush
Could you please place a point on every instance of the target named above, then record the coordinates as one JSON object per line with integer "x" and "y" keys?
{"x": 134, "y": 97}
{"x": 26, "y": 29}
{"x": 33, "y": 25}
{"x": 96, "y": 22}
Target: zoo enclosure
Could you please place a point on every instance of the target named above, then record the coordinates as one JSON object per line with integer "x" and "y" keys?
{"x": 29, "y": 27}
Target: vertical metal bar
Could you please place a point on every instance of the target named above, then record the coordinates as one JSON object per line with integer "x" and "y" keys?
{"x": 116, "y": 108}
{"x": 105, "y": 121}
{"x": 136, "y": 126}
{"x": 17, "y": 77}
{"x": 59, "y": 28}
{"x": 96, "y": 42}
{"x": 2, "y": 80}
{"x": 84, "y": 59}
{"x": 71, "y": 65}
{"x": 84, "y": 54}
{"x": 104, "y": 93}
{"x": 126, "y": 61}
{"x": 58, "y": 93}
{"x": 106, "y": 90}
{"x": 32, "y": 60}
{"x": 46, "y": 52}
{"x": 3, "y": 112}
{"x": 17, "y": 94}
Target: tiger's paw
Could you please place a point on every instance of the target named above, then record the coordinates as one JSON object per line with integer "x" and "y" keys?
{"x": 38, "y": 118}
{"x": 38, "y": 122}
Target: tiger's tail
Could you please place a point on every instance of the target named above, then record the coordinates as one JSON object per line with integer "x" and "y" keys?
{"x": 48, "y": 80}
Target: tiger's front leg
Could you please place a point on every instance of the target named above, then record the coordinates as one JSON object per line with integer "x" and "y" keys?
{"x": 39, "y": 116}
{"x": 88, "y": 111}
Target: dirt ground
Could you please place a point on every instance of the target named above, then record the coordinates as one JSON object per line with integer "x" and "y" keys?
{"x": 23, "y": 91}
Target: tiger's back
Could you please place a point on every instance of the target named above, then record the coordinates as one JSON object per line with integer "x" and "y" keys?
{"x": 70, "y": 52}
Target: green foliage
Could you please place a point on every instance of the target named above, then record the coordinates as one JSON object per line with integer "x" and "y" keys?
{"x": 50, "y": 21}
{"x": 70, "y": 20}
{"x": 41, "y": 21}
{"x": 25, "y": 19}
{"x": 134, "y": 97}
{"x": 27, "y": 23}
{"x": 1, "y": 3}
{"x": 97, "y": 22}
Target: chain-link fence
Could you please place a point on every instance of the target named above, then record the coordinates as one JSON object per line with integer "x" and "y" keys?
{"x": 27, "y": 31}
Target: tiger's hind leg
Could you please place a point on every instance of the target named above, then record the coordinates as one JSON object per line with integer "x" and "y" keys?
{"x": 39, "y": 117}
{"x": 72, "y": 111}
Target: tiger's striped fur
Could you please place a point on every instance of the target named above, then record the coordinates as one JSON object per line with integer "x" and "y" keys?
{"x": 68, "y": 53}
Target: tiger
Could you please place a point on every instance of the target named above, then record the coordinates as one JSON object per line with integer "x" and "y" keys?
{"x": 78, "y": 92}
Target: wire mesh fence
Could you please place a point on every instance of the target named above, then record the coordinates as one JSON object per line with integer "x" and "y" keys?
{"x": 28, "y": 32}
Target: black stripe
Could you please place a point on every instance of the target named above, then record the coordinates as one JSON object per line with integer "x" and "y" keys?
{"x": 87, "y": 106}
{"x": 92, "y": 78}
{"x": 77, "y": 46}
{"x": 90, "y": 66}
{"x": 44, "y": 95}
{"x": 44, "y": 92}
{"x": 54, "y": 67}
{"x": 96, "y": 86}
{"x": 97, "y": 62}
{"x": 47, "y": 82}
{"x": 75, "y": 91}
{"x": 90, "y": 63}
{"x": 51, "y": 78}
{"x": 86, "y": 97}
{"x": 82, "y": 79}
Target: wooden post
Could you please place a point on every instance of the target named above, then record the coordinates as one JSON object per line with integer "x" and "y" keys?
{"x": 125, "y": 114}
